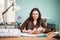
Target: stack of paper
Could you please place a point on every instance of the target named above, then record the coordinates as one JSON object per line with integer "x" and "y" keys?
{"x": 9, "y": 32}
{"x": 33, "y": 35}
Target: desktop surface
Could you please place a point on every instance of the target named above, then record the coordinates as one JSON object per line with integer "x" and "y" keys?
{"x": 49, "y": 37}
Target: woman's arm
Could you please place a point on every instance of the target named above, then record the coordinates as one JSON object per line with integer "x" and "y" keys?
{"x": 24, "y": 25}
{"x": 34, "y": 31}
{"x": 44, "y": 26}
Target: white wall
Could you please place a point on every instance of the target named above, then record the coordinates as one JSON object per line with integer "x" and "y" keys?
{"x": 2, "y": 5}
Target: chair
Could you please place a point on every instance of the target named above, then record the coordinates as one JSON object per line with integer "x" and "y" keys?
{"x": 51, "y": 27}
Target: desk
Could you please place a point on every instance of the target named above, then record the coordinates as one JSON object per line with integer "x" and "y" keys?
{"x": 49, "y": 37}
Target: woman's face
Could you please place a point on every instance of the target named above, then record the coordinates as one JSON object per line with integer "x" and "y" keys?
{"x": 35, "y": 15}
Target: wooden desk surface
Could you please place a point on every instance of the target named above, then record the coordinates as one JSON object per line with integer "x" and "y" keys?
{"x": 50, "y": 35}
{"x": 27, "y": 38}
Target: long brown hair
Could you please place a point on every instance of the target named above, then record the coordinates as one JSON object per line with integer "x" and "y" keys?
{"x": 39, "y": 18}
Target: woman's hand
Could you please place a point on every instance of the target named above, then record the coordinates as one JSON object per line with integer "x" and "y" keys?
{"x": 27, "y": 31}
{"x": 24, "y": 31}
{"x": 38, "y": 30}
{"x": 34, "y": 31}
{"x": 41, "y": 29}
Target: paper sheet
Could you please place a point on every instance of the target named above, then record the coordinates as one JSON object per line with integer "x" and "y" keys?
{"x": 34, "y": 35}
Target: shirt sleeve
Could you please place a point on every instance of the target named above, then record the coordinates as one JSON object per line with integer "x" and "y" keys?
{"x": 44, "y": 26}
{"x": 24, "y": 25}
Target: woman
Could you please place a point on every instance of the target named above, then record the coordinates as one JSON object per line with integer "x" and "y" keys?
{"x": 34, "y": 23}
